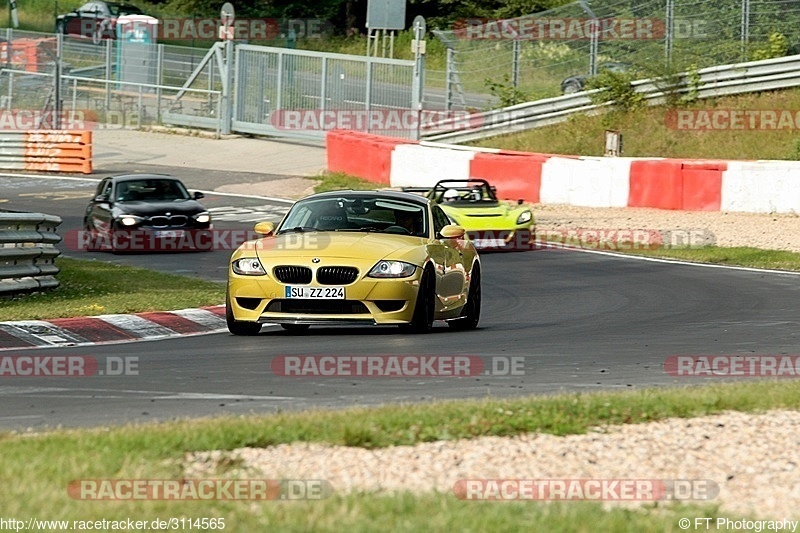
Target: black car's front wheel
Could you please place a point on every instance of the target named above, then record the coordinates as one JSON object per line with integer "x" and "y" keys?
{"x": 237, "y": 327}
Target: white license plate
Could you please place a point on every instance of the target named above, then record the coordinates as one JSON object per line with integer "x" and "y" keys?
{"x": 315, "y": 293}
{"x": 169, "y": 233}
{"x": 489, "y": 243}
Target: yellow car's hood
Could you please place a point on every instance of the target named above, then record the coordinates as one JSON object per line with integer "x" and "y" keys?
{"x": 350, "y": 245}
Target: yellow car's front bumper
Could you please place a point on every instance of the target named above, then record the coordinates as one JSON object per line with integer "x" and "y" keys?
{"x": 367, "y": 301}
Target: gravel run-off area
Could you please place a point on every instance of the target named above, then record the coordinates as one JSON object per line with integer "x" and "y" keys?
{"x": 753, "y": 458}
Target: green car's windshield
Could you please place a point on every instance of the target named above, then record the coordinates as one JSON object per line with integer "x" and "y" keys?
{"x": 476, "y": 193}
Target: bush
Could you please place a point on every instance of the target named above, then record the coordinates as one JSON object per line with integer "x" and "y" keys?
{"x": 617, "y": 88}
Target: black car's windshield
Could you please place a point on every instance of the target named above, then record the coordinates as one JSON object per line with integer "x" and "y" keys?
{"x": 379, "y": 215}
{"x": 124, "y": 9}
{"x": 150, "y": 190}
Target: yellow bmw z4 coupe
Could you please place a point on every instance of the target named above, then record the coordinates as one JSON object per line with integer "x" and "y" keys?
{"x": 356, "y": 258}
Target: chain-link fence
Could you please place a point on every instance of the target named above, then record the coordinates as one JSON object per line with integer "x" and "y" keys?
{"x": 554, "y": 51}
{"x": 271, "y": 91}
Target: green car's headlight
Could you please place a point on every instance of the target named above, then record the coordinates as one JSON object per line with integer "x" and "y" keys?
{"x": 392, "y": 269}
{"x": 248, "y": 266}
{"x": 524, "y": 217}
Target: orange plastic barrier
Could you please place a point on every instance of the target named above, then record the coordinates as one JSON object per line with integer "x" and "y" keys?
{"x": 29, "y": 54}
{"x": 516, "y": 175}
{"x": 702, "y": 185}
{"x": 46, "y": 150}
{"x": 361, "y": 154}
{"x": 676, "y": 184}
{"x": 656, "y": 183}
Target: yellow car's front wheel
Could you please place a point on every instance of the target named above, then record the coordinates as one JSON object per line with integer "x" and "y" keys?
{"x": 422, "y": 321}
{"x": 237, "y": 327}
{"x": 472, "y": 309}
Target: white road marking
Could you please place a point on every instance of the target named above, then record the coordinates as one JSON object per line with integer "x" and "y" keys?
{"x": 619, "y": 255}
{"x": 117, "y": 393}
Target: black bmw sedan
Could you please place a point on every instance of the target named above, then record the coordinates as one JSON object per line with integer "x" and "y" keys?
{"x": 144, "y": 212}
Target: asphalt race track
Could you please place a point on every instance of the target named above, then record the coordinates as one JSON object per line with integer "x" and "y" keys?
{"x": 581, "y": 321}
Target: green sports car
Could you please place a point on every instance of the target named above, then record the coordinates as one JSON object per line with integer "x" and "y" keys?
{"x": 491, "y": 224}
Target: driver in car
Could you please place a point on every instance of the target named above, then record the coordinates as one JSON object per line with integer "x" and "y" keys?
{"x": 409, "y": 220}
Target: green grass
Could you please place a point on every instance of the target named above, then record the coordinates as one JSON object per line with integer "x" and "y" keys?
{"x": 738, "y": 256}
{"x": 334, "y": 181}
{"x": 646, "y": 133}
{"x": 96, "y": 288}
{"x": 41, "y": 465}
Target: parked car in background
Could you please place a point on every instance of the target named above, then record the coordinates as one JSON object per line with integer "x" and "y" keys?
{"x": 577, "y": 83}
{"x": 95, "y": 20}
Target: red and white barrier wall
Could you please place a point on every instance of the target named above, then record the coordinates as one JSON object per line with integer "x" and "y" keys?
{"x": 691, "y": 185}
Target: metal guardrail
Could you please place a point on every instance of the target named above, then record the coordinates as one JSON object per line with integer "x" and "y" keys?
{"x": 723, "y": 80}
{"x": 28, "y": 252}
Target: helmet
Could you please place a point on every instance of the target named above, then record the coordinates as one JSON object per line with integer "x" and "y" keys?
{"x": 450, "y": 195}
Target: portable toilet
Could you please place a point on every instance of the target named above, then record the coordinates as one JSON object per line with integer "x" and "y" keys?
{"x": 137, "y": 51}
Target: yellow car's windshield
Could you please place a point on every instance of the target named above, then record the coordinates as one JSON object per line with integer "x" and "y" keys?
{"x": 380, "y": 215}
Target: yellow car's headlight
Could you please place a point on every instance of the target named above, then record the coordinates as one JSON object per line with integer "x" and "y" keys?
{"x": 524, "y": 217}
{"x": 392, "y": 269}
{"x": 248, "y": 266}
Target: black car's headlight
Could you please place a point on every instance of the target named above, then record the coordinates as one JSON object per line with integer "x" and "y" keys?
{"x": 392, "y": 269}
{"x": 203, "y": 217}
{"x": 248, "y": 266}
{"x": 129, "y": 220}
{"x": 524, "y": 217}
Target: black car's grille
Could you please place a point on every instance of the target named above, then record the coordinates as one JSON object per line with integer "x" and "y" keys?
{"x": 293, "y": 274}
{"x": 317, "y": 307}
{"x": 174, "y": 221}
{"x": 337, "y": 275}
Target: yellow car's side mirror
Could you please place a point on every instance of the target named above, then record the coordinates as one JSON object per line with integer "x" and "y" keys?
{"x": 264, "y": 228}
{"x": 452, "y": 231}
